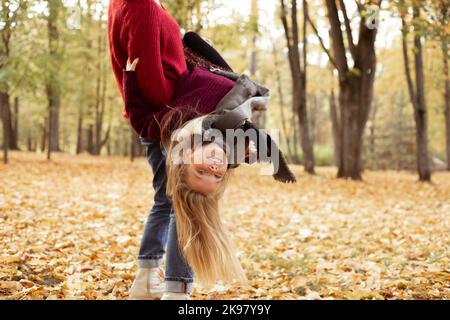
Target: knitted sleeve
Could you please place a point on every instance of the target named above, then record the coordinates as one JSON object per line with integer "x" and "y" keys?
{"x": 143, "y": 41}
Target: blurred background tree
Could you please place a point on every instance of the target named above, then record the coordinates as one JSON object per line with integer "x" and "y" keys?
{"x": 12, "y": 15}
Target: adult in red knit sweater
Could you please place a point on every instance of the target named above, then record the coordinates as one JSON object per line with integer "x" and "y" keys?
{"x": 143, "y": 29}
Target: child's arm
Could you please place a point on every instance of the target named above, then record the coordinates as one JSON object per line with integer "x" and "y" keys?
{"x": 144, "y": 120}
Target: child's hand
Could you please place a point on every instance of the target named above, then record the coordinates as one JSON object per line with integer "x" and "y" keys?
{"x": 132, "y": 66}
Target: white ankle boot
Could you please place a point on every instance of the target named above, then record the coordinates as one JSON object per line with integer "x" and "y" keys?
{"x": 148, "y": 285}
{"x": 175, "y": 296}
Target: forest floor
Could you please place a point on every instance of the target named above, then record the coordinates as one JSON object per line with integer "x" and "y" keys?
{"x": 70, "y": 229}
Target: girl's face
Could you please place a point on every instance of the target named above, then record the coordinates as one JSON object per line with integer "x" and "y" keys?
{"x": 206, "y": 169}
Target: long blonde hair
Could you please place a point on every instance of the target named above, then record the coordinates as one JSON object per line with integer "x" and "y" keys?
{"x": 201, "y": 234}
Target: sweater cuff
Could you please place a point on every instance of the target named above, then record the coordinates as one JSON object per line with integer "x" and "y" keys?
{"x": 131, "y": 87}
{"x": 129, "y": 76}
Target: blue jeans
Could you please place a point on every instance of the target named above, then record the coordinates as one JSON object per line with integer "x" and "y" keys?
{"x": 160, "y": 234}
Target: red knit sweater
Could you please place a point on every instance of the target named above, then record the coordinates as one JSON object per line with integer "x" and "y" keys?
{"x": 142, "y": 29}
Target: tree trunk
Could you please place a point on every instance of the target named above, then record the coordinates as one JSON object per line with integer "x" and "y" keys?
{"x": 281, "y": 102}
{"x": 305, "y": 132}
{"x": 44, "y": 135}
{"x": 447, "y": 99}
{"x": 98, "y": 112}
{"x": 100, "y": 94}
{"x": 355, "y": 84}
{"x": 305, "y": 136}
{"x": 106, "y": 136}
{"x": 53, "y": 86}
{"x": 16, "y": 123}
{"x": 420, "y": 114}
{"x": 259, "y": 118}
{"x": 313, "y": 108}
{"x": 298, "y": 75}
{"x": 351, "y": 131}
{"x": 108, "y": 148}
{"x": 54, "y": 104}
{"x": 80, "y": 133}
{"x": 29, "y": 143}
{"x": 417, "y": 96}
{"x": 335, "y": 128}
{"x": 8, "y": 120}
{"x": 49, "y": 132}
{"x": 399, "y": 128}
{"x": 90, "y": 139}
{"x": 126, "y": 143}
{"x": 4, "y": 106}
{"x": 10, "y": 19}
{"x": 254, "y": 29}
{"x": 134, "y": 146}
{"x": 372, "y": 139}
{"x": 295, "y": 150}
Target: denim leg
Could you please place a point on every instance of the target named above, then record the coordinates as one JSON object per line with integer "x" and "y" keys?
{"x": 160, "y": 228}
{"x": 156, "y": 229}
{"x": 179, "y": 275}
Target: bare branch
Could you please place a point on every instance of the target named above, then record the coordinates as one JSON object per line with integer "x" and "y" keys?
{"x": 305, "y": 38}
{"x": 409, "y": 80}
{"x": 348, "y": 30}
{"x": 285, "y": 23}
{"x": 337, "y": 39}
{"x": 322, "y": 44}
{"x": 294, "y": 23}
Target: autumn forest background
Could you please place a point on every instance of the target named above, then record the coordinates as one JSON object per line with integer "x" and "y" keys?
{"x": 360, "y": 94}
